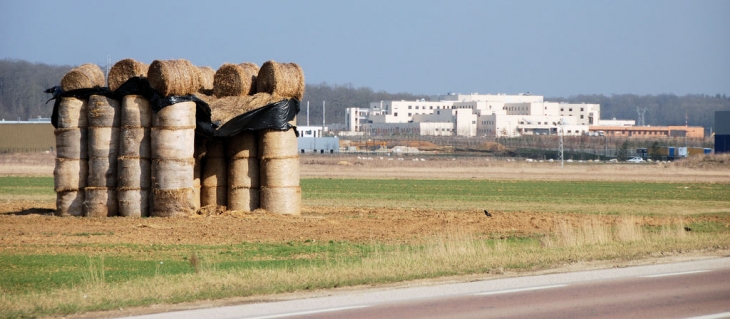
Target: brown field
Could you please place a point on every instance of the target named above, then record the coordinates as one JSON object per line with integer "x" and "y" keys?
{"x": 29, "y": 221}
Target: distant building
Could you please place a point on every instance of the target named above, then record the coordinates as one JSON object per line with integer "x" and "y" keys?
{"x": 651, "y": 131}
{"x": 722, "y": 132}
{"x": 27, "y": 136}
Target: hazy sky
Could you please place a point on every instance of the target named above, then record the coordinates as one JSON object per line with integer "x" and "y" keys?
{"x": 551, "y": 48}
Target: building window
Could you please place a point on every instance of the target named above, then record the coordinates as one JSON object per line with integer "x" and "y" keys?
{"x": 430, "y": 107}
{"x": 561, "y": 109}
{"x": 581, "y": 109}
{"x": 570, "y": 109}
{"x": 416, "y": 107}
{"x": 409, "y": 114}
{"x": 581, "y": 116}
{"x": 409, "y": 107}
{"x": 438, "y": 112}
{"x": 395, "y": 114}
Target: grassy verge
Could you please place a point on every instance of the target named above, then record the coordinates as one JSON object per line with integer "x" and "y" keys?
{"x": 35, "y": 285}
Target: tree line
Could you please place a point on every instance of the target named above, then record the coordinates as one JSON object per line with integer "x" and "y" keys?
{"x": 22, "y": 86}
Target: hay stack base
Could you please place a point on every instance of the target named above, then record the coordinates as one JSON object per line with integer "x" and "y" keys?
{"x": 100, "y": 202}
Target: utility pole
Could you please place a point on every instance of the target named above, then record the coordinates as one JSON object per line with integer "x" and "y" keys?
{"x": 560, "y": 144}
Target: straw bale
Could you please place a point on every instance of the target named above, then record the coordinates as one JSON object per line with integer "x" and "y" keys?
{"x": 282, "y": 200}
{"x": 243, "y": 199}
{"x": 172, "y": 174}
{"x": 244, "y": 172}
{"x": 172, "y": 202}
{"x": 280, "y": 172}
{"x": 103, "y": 142}
{"x": 70, "y": 174}
{"x": 104, "y": 111}
{"x": 102, "y": 172}
{"x": 235, "y": 79}
{"x": 133, "y": 202}
{"x": 136, "y": 111}
{"x": 100, "y": 202}
{"x": 225, "y": 108}
{"x": 71, "y": 143}
{"x": 72, "y": 113}
{"x": 278, "y": 144}
{"x": 135, "y": 142}
{"x": 214, "y": 195}
{"x": 243, "y": 145}
{"x": 124, "y": 70}
{"x": 282, "y": 79}
{"x": 133, "y": 172}
{"x": 206, "y": 77}
{"x": 214, "y": 166}
{"x": 83, "y": 77}
{"x": 172, "y": 144}
{"x": 180, "y": 115}
{"x": 70, "y": 203}
{"x": 173, "y": 77}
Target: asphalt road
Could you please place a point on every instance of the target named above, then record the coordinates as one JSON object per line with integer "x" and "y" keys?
{"x": 697, "y": 289}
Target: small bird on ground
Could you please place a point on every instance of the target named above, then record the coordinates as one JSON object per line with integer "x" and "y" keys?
{"x": 687, "y": 228}
{"x": 487, "y": 213}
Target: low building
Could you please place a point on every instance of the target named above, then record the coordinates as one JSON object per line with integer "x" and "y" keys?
{"x": 651, "y": 131}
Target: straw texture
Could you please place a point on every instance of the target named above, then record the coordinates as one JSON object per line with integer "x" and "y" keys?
{"x": 281, "y": 200}
{"x": 173, "y": 77}
{"x": 72, "y": 113}
{"x": 281, "y": 79}
{"x": 84, "y": 76}
{"x": 124, "y": 70}
{"x": 70, "y": 203}
{"x": 100, "y": 202}
{"x": 235, "y": 79}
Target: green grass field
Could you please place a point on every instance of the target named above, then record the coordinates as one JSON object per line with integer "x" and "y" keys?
{"x": 123, "y": 275}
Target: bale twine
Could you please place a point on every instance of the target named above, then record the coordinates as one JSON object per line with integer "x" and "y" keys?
{"x": 83, "y": 77}
{"x": 214, "y": 175}
{"x": 71, "y": 143}
{"x": 173, "y": 77}
{"x": 124, "y": 70}
{"x": 243, "y": 172}
{"x": 206, "y": 76}
{"x": 225, "y": 108}
{"x": 173, "y": 162}
{"x": 285, "y": 80}
{"x": 70, "y": 203}
{"x": 100, "y": 202}
{"x": 71, "y": 168}
{"x": 72, "y": 113}
{"x": 70, "y": 175}
{"x": 281, "y": 200}
{"x": 134, "y": 167}
{"x": 235, "y": 79}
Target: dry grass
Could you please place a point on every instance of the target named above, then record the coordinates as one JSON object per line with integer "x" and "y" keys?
{"x": 449, "y": 254}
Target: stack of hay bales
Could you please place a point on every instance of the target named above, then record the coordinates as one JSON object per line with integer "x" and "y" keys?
{"x": 280, "y": 191}
{"x": 214, "y": 175}
{"x": 104, "y": 119}
{"x": 243, "y": 172}
{"x": 72, "y": 164}
{"x": 173, "y": 140}
{"x": 124, "y": 70}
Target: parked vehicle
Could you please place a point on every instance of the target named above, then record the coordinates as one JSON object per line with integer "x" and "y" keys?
{"x": 635, "y": 159}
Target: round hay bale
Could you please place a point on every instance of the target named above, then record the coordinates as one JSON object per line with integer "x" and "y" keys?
{"x": 282, "y": 200}
{"x": 215, "y": 169}
{"x": 135, "y": 142}
{"x": 244, "y": 172}
{"x": 172, "y": 173}
{"x": 179, "y": 115}
{"x": 172, "y": 144}
{"x": 235, "y": 79}
{"x": 214, "y": 195}
{"x": 104, "y": 112}
{"x": 278, "y": 144}
{"x": 280, "y": 172}
{"x": 173, "y": 77}
{"x": 70, "y": 203}
{"x": 102, "y": 172}
{"x": 103, "y": 142}
{"x": 70, "y": 174}
{"x": 243, "y": 145}
{"x": 71, "y": 143}
{"x": 206, "y": 76}
{"x": 172, "y": 202}
{"x": 133, "y": 202}
{"x": 225, "y": 108}
{"x": 136, "y": 111}
{"x": 84, "y": 76}
{"x": 243, "y": 199}
{"x": 133, "y": 172}
{"x": 124, "y": 70}
{"x": 100, "y": 202}
{"x": 285, "y": 80}
{"x": 72, "y": 112}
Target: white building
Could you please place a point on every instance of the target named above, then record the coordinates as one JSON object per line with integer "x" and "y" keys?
{"x": 469, "y": 115}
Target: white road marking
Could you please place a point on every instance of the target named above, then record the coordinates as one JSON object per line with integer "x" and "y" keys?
{"x": 291, "y": 314}
{"x": 674, "y": 274}
{"x": 517, "y": 290}
{"x": 715, "y": 316}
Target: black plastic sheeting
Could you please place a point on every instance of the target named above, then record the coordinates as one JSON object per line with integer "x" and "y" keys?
{"x": 273, "y": 116}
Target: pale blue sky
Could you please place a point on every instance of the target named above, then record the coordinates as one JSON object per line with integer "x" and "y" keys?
{"x": 551, "y": 48}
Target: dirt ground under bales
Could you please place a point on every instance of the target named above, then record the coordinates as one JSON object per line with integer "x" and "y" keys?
{"x": 29, "y": 220}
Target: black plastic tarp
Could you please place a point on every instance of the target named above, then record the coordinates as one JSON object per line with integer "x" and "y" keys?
{"x": 273, "y": 116}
